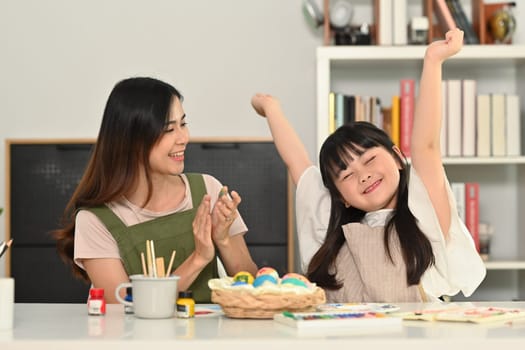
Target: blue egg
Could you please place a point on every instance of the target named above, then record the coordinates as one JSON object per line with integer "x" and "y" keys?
{"x": 262, "y": 279}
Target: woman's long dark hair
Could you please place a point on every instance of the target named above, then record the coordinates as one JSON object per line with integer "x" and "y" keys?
{"x": 417, "y": 252}
{"x": 134, "y": 119}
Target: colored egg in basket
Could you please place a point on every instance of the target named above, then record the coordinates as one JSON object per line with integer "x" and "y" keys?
{"x": 263, "y": 279}
{"x": 296, "y": 276}
{"x": 295, "y": 282}
{"x": 268, "y": 271}
{"x": 243, "y": 277}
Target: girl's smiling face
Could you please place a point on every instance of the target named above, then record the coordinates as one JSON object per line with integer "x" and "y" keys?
{"x": 370, "y": 181}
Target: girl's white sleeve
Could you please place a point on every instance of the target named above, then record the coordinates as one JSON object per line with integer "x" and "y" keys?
{"x": 458, "y": 266}
{"x": 312, "y": 210}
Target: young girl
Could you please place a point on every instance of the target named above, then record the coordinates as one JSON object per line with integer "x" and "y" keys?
{"x": 134, "y": 190}
{"x": 375, "y": 236}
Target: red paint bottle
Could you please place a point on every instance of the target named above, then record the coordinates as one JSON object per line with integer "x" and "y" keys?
{"x": 96, "y": 302}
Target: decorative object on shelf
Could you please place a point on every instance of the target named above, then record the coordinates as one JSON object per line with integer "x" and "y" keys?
{"x": 341, "y": 12}
{"x": 450, "y": 14}
{"x": 353, "y": 36}
{"x": 462, "y": 22}
{"x": 482, "y": 16}
{"x": 418, "y": 30}
{"x": 313, "y": 14}
{"x": 502, "y": 25}
{"x": 336, "y": 18}
{"x": 486, "y": 231}
{"x": 339, "y": 15}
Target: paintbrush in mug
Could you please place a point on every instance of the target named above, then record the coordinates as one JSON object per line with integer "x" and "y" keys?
{"x": 4, "y": 246}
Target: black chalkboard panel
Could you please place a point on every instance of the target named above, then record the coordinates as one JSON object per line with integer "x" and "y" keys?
{"x": 44, "y": 175}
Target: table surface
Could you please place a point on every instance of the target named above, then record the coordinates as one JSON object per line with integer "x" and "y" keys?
{"x": 68, "y": 326}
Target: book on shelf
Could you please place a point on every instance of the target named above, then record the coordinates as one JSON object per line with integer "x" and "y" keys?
{"x": 331, "y": 112}
{"x": 454, "y": 117}
{"x": 407, "y": 98}
{"x": 472, "y": 210}
{"x": 375, "y": 117}
{"x": 399, "y": 22}
{"x": 443, "y": 15}
{"x": 358, "y": 108}
{"x": 395, "y": 120}
{"x": 339, "y": 109}
{"x": 462, "y": 22}
{"x": 386, "y": 112}
{"x": 513, "y": 124}
{"x": 497, "y": 104}
{"x": 383, "y": 17}
{"x": 468, "y": 114}
{"x": 466, "y": 195}
{"x": 349, "y": 114}
{"x": 483, "y": 134}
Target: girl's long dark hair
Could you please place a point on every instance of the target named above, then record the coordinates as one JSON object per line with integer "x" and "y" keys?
{"x": 134, "y": 119}
{"x": 417, "y": 252}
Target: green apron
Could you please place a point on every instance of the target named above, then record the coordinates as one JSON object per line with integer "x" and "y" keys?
{"x": 171, "y": 232}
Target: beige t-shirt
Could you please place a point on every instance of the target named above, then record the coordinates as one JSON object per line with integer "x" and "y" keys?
{"x": 93, "y": 240}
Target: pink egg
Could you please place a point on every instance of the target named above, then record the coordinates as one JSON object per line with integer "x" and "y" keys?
{"x": 268, "y": 271}
{"x": 296, "y": 276}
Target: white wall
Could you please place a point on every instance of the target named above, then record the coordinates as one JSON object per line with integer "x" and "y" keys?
{"x": 60, "y": 58}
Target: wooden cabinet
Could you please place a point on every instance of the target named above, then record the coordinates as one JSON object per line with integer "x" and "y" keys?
{"x": 376, "y": 71}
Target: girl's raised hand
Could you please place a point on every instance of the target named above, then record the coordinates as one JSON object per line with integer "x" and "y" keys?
{"x": 262, "y": 103}
{"x": 440, "y": 50}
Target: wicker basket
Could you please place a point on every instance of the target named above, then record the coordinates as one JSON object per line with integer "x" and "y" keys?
{"x": 243, "y": 304}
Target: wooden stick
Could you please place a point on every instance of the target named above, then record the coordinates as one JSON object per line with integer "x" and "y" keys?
{"x": 144, "y": 269}
{"x": 148, "y": 257}
{"x": 159, "y": 263}
{"x": 153, "y": 258}
{"x": 170, "y": 265}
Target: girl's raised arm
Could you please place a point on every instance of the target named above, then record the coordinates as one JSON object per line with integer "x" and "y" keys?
{"x": 288, "y": 144}
{"x": 425, "y": 141}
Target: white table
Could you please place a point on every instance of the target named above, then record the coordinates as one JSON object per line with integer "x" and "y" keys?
{"x": 67, "y": 326}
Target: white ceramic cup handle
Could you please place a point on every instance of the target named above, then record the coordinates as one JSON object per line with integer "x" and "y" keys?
{"x": 117, "y": 294}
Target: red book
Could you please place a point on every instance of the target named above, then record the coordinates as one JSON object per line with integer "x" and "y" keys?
{"x": 472, "y": 210}
{"x": 407, "y": 97}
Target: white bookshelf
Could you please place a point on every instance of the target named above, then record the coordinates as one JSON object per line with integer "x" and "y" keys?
{"x": 376, "y": 70}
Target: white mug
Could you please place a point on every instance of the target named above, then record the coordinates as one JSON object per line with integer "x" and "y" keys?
{"x": 7, "y": 303}
{"x": 153, "y": 297}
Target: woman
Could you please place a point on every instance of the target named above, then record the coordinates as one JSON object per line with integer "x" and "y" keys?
{"x": 134, "y": 190}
